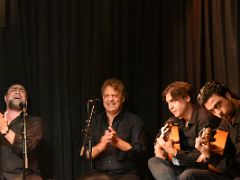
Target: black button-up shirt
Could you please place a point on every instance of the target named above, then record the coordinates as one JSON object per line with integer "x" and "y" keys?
{"x": 188, "y": 133}
{"x": 229, "y": 163}
{"x": 128, "y": 127}
{"x": 11, "y": 155}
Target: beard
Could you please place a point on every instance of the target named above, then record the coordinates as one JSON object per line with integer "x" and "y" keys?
{"x": 229, "y": 116}
{"x": 14, "y": 105}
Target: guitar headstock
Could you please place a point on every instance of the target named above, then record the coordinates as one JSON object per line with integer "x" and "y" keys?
{"x": 166, "y": 129}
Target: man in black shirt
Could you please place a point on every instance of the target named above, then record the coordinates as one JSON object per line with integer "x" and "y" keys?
{"x": 117, "y": 136}
{"x": 12, "y": 163}
{"x": 220, "y": 101}
{"x": 191, "y": 119}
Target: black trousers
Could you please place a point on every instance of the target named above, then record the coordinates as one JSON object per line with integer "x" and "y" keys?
{"x": 103, "y": 176}
{"x": 199, "y": 174}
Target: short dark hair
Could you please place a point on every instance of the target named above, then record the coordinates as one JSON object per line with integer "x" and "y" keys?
{"x": 7, "y": 85}
{"x": 178, "y": 89}
{"x": 14, "y": 85}
{"x": 116, "y": 84}
{"x": 213, "y": 87}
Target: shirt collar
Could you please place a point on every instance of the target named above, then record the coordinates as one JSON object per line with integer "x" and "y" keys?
{"x": 194, "y": 115}
{"x": 118, "y": 117}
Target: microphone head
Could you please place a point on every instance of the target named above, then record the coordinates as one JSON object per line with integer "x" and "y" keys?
{"x": 23, "y": 104}
{"x": 94, "y": 100}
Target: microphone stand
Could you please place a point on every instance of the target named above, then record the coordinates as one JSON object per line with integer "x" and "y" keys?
{"x": 87, "y": 136}
{"x": 25, "y": 153}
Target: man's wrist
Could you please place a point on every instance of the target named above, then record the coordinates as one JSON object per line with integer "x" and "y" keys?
{"x": 173, "y": 152}
{"x": 5, "y": 131}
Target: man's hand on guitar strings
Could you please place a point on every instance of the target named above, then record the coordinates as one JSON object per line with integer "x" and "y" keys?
{"x": 167, "y": 146}
{"x": 203, "y": 148}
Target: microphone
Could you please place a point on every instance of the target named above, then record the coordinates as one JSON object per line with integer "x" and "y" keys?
{"x": 23, "y": 105}
{"x": 94, "y": 100}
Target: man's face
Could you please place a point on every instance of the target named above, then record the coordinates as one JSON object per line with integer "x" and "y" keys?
{"x": 177, "y": 106}
{"x": 221, "y": 107}
{"x": 15, "y": 95}
{"x": 112, "y": 100}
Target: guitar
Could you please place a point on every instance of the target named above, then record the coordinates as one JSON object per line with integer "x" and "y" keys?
{"x": 170, "y": 131}
{"x": 219, "y": 144}
{"x": 217, "y": 140}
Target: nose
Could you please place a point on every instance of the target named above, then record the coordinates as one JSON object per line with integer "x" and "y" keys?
{"x": 218, "y": 113}
{"x": 111, "y": 98}
{"x": 170, "y": 106}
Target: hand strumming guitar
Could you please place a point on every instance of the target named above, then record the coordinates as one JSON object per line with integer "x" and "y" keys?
{"x": 208, "y": 142}
{"x": 202, "y": 144}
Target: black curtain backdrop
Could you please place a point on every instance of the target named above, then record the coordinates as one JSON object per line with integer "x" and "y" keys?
{"x": 62, "y": 50}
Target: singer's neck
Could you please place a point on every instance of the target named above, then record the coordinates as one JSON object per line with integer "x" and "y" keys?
{"x": 12, "y": 114}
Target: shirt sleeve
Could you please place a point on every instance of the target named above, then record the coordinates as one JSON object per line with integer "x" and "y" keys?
{"x": 138, "y": 143}
{"x": 189, "y": 156}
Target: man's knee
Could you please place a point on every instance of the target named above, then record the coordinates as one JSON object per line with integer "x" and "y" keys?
{"x": 185, "y": 175}
{"x": 152, "y": 163}
{"x": 154, "y": 160}
{"x": 189, "y": 174}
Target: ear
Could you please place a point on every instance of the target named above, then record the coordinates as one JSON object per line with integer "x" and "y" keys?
{"x": 5, "y": 98}
{"x": 188, "y": 99}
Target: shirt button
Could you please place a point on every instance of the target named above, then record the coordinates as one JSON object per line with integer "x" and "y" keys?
{"x": 109, "y": 161}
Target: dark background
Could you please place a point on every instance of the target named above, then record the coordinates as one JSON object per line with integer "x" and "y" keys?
{"x": 62, "y": 51}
